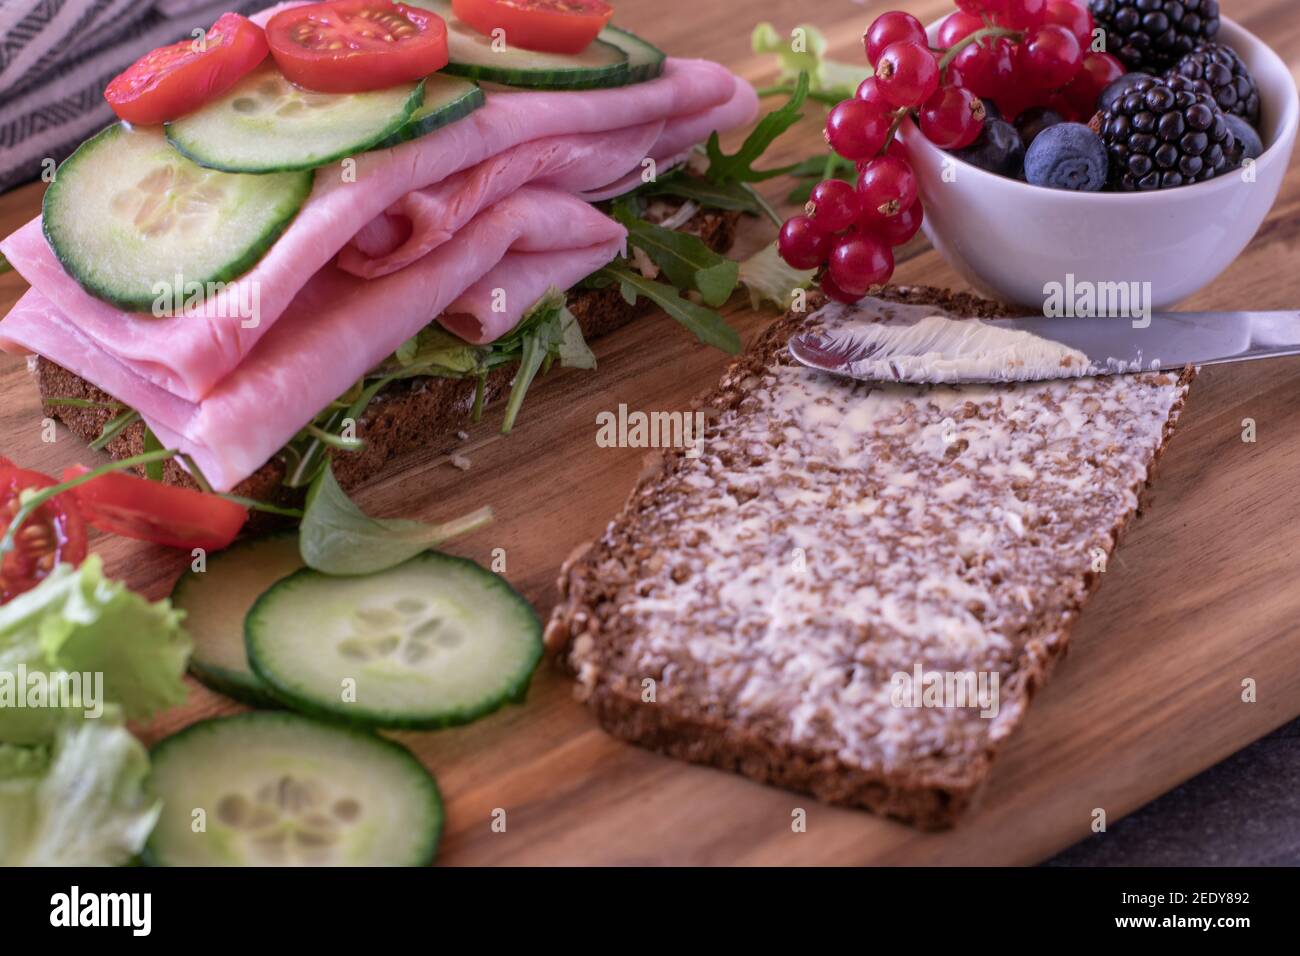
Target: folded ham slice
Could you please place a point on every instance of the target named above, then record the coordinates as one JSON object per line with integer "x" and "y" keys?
{"x": 424, "y": 219}
{"x": 189, "y": 355}
{"x": 340, "y": 327}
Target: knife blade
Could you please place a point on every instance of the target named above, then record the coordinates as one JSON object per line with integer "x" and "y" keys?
{"x": 902, "y": 350}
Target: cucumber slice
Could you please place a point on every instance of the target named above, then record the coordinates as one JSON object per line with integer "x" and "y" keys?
{"x": 265, "y": 124}
{"x": 215, "y": 602}
{"x": 645, "y": 61}
{"x": 126, "y": 212}
{"x": 446, "y": 100}
{"x": 433, "y": 642}
{"x": 278, "y": 789}
{"x": 600, "y": 65}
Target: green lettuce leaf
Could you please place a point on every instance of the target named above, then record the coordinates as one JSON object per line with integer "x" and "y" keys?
{"x": 79, "y": 622}
{"x": 80, "y": 801}
{"x": 768, "y": 278}
{"x": 834, "y": 77}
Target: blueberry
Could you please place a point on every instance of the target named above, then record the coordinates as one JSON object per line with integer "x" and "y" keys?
{"x": 1034, "y": 120}
{"x": 1117, "y": 89}
{"x": 1249, "y": 143}
{"x": 991, "y": 109}
{"x": 998, "y": 149}
{"x": 1067, "y": 156}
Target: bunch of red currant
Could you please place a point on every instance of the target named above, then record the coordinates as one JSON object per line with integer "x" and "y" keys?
{"x": 1014, "y": 53}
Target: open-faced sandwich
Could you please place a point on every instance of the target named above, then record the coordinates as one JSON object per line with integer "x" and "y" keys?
{"x": 350, "y": 225}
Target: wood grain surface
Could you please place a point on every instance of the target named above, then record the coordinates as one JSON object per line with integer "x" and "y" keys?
{"x": 1202, "y": 594}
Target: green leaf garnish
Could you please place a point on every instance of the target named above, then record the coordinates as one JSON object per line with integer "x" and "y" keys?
{"x": 705, "y": 324}
{"x": 685, "y": 260}
{"x": 738, "y": 167}
{"x": 337, "y": 537}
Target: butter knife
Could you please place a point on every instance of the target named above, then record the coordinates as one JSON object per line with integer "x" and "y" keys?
{"x": 940, "y": 349}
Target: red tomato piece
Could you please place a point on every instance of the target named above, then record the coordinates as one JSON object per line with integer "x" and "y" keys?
{"x": 151, "y": 511}
{"x": 54, "y": 533}
{"x": 548, "y": 26}
{"x": 174, "y": 80}
{"x": 351, "y": 46}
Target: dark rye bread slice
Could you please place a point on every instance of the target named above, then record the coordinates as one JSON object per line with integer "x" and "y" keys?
{"x": 419, "y": 413}
{"x": 831, "y": 537}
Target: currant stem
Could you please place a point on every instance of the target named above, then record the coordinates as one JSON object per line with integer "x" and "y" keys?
{"x": 975, "y": 38}
{"x": 893, "y": 130}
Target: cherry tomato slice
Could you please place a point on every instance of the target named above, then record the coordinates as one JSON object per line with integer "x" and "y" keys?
{"x": 54, "y": 533}
{"x": 174, "y": 80}
{"x": 548, "y": 26}
{"x": 151, "y": 511}
{"x": 351, "y": 46}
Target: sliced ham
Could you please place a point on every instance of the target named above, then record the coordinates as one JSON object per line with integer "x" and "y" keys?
{"x": 518, "y": 281}
{"x": 337, "y": 329}
{"x": 189, "y": 355}
{"x": 680, "y": 136}
{"x": 424, "y": 219}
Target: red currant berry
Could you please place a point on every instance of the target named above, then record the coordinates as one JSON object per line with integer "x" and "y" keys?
{"x": 886, "y": 187}
{"x": 985, "y": 67}
{"x": 952, "y": 118}
{"x": 892, "y": 27}
{"x": 957, "y": 27}
{"x": 860, "y": 261}
{"x": 897, "y": 230}
{"x": 908, "y": 74}
{"x": 834, "y": 292}
{"x": 1016, "y": 99}
{"x": 980, "y": 8}
{"x": 1099, "y": 70}
{"x": 803, "y": 244}
{"x": 1074, "y": 15}
{"x": 1021, "y": 14}
{"x": 1051, "y": 58}
{"x": 856, "y": 129}
{"x": 834, "y": 205}
{"x": 869, "y": 92}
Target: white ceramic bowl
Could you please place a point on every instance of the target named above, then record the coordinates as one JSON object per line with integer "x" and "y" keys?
{"x": 1010, "y": 239}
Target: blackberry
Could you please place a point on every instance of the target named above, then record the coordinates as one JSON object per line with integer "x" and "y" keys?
{"x": 1164, "y": 133}
{"x": 1152, "y": 35}
{"x": 1228, "y": 77}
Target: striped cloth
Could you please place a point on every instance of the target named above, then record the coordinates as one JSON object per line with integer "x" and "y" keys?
{"x": 56, "y": 56}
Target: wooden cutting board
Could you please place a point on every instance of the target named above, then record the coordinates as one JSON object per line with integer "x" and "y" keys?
{"x": 1202, "y": 595}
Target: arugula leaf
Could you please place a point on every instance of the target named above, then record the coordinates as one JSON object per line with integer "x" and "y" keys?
{"x": 5, "y": 264}
{"x": 816, "y": 168}
{"x": 337, "y": 537}
{"x": 685, "y": 259}
{"x": 738, "y": 167}
{"x": 81, "y": 403}
{"x": 727, "y": 196}
{"x": 548, "y": 332}
{"x": 114, "y": 427}
{"x": 705, "y": 324}
{"x": 154, "y": 470}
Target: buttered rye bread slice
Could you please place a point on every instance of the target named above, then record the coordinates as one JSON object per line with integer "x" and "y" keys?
{"x": 807, "y": 599}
